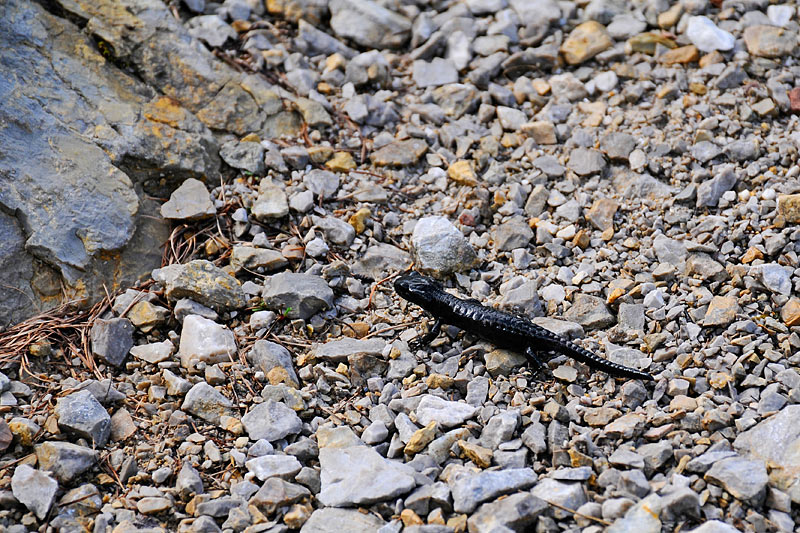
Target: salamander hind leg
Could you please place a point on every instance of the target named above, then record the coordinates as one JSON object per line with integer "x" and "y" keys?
{"x": 536, "y": 363}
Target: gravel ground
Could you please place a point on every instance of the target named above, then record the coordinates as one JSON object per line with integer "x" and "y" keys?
{"x": 623, "y": 173}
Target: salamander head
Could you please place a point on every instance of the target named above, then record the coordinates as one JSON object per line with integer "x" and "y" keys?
{"x": 414, "y": 287}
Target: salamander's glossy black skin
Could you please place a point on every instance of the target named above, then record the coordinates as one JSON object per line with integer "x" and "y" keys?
{"x": 500, "y": 328}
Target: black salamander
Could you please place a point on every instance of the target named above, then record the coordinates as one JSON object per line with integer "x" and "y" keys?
{"x": 500, "y": 328}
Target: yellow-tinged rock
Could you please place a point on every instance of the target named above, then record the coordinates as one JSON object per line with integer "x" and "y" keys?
{"x": 670, "y": 17}
{"x": 458, "y": 523}
{"x": 719, "y": 380}
{"x": 436, "y": 517}
{"x": 341, "y": 162}
{"x": 581, "y": 239}
{"x": 682, "y": 402}
{"x": 359, "y": 219}
{"x": 585, "y": 41}
{"x": 298, "y": 515}
{"x": 681, "y": 55}
{"x": 698, "y": 88}
{"x": 420, "y": 439}
{"x": 319, "y": 154}
{"x": 410, "y": 518}
{"x": 510, "y": 140}
{"x": 540, "y": 86}
{"x": 355, "y": 329}
{"x": 145, "y": 315}
{"x": 645, "y": 43}
{"x": 279, "y": 375}
{"x": 790, "y": 312}
{"x": 479, "y": 455}
{"x": 710, "y": 59}
{"x": 542, "y": 131}
{"x": 789, "y": 207}
{"x": 251, "y": 138}
{"x": 752, "y": 254}
{"x": 439, "y": 381}
{"x": 595, "y": 111}
{"x": 614, "y": 295}
{"x": 578, "y": 459}
{"x": 462, "y": 173}
{"x": 24, "y": 430}
{"x": 342, "y": 369}
{"x": 682, "y": 463}
{"x": 335, "y": 61}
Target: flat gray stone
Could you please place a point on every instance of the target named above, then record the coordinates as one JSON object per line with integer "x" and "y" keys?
{"x": 565, "y": 493}
{"x": 188, "y": 483}
{"x": 323, "y": 183}
{"x": 267, "y": 466}
{"x": 297, "y": 295}
{"x": 320, "y": 42}
{"x": 65, "y": 460}
{"x": 511, "y": 234}
{"x": 369, "y": 24}
{"x": 211, "y": 29}
{"x": 714, "y": 526}
{"x": 271, "y": 202}
{"x": 332, "y": 520}
{"x": 434, "y": 73}
{"x": 251, "y": 258}
{"x": 271, "y": 421}
{"x": 710, "y": 191}
{"x": 341, "y": 350}
{"x": 586, "y": 161}
{"x": 515, "y": 512}
{"x": 358, "y": 475}
{"x": 80, "y": 413}
{"x": 336, "y": 230}
{"x": 470, "y": 490}
{"x": 206, "y": 402}
{"x": 439, "y": 248}
{"x": 203, "y": 282}
{"x": 380, "y": 260}
{"x": 190, "y": 201}
{"x": 590, "y": 312}
{"x": 744, "y": 479}
{"x": 112, "y": 339}
{"x": 34, "y": 489}
{"x": 445, "y": 412}
{"x": 774, "y": 441}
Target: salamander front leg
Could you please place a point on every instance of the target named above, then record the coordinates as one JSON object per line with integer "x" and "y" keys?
{"x": 536, "y": 363}
{"x": 428, "y": 337}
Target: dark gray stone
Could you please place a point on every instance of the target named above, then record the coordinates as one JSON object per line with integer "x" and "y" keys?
{"x": 112, "y": 339}
{"x": 369, "y": 24}
{"x": 586, "y": 161}
{"x": 80, "y": 413}
{"x": 247, "y": 156}
{"x": 65, "y": 460}
{"x": 710, "y": 191}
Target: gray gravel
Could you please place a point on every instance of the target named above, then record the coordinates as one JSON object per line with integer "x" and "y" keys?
{"x": 622, "y": 173}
